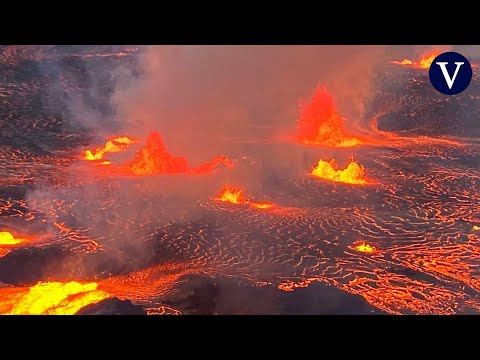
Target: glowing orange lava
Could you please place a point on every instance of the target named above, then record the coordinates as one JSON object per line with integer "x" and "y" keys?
{"x": 4, "y": 252}
{"x": 235, "y": 195}
{"x": 424, "y": 62}
{"x": 155, "y": 159}
{"x": 427, "y": 59}
{"x": 406, "y": 62}
{"x": 354, "y": 173}
{"x": 364, "y": 247}
{"x": 320, "y": 124}
{"x": 232, "y": 195}
{"x": 50, "y": 298}
{"x": 261, "y": 205}
{"x": 111, "y": 146}
{"x": 6, "y": 238}
{"x": 289, "y": 286}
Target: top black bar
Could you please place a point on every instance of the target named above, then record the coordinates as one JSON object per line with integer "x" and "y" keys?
{"x": 350, "y": 23}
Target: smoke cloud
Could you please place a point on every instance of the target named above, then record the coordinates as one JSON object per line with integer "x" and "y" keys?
{"x": 209, "y": 100}
{"x": 236, "y": 101}
{"x": 193, "y": 94}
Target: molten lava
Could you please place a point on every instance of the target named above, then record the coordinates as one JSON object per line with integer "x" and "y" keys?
{"x": 289, "y": 286}
{"x": 111, "y": 146}
{"x": 155, "y": 159}
{"x": 235, "y": 195}
{"x": 424, "y": 62}
{"x": 427, "y": 59}
{"x": 364, "y": 247}
{"x": 6, "y": 238}
{"x": 354, "y": 173}
{"x": 406, "y": 62}
{"x": 51, "y": 298}
{"x": 232, "y": 195}
{"x": 320, "y": 124}
{"x": 261, "y": 205}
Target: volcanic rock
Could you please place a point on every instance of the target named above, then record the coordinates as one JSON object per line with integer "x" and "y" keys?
{"x": 112, "y": 306}
{"x": 202, "y": 295}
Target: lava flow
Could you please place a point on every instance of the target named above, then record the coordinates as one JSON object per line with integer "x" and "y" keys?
{"x": 49, "y": 298}
{"x": 320, "y": 124}
{"x": 235, "y": 195}
{"x": 6, "y": 238}
{"x": 155, "y": 159}
{"x": 354, "y": 173}
{"x": 424, "y": 62}
{"x": 111, "y": 146}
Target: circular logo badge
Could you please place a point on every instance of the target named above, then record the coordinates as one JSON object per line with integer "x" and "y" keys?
{"x": 450, "y": 73}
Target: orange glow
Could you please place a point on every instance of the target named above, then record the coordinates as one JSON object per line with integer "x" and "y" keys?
{"x": 95, "y": 155}
{"x": 111, "y": 146}
{"x": 364, "y": 247}
{"x": 354, "y": 173}
{"x": 476, "y": 227}
{"x": 289, "y": 286}
{"x": 235, "y": 195}
{"x": 51, "y": 298}
{"x": 6, "y": 238}
{"x": 4, "y": 252}
{"x": 320, "y": 124}
{"x": 231, "y": 195}
{"x": 209, "y": 166}
{"x": 58, "y": 298}
{"x": 155, "y": 159}
{"x": 261, "y": 205}
{"x": 427, "y": 59}
{"x": 406, "y": 62}
{"x": 424, "y": 62}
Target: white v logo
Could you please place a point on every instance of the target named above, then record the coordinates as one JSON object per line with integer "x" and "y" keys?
{"x": 446, "y": 75}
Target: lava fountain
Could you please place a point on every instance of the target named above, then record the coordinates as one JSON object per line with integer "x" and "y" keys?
{"x": 235, "y": 195}
{"x": 427, "y": 59}
{"x": 155, "y": 159}
{"x": 406, "y": 62}
{"x": 112, "y": 145}
{"x": 320, "y": 124}
{"x": 362, "y": 246}
{"x": 354, "y": 173}
{"x": 232, "y": 195}
{"x": 50, "y": 298}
